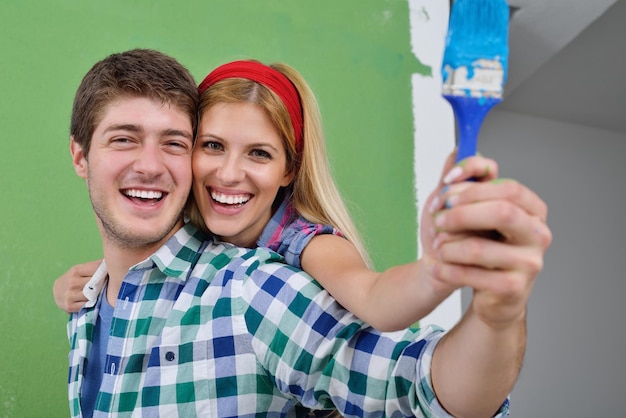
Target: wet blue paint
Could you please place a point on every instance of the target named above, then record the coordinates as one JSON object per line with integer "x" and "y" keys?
{"x": 477, "y": 29}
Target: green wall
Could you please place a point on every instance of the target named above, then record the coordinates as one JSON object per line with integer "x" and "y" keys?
{"x": 355, "y": 54}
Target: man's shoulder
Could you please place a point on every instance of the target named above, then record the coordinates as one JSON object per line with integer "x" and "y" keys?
{"x": 244, "y": 263}
{"x": 264, "y": 269}
{"x": 227, "y": 256}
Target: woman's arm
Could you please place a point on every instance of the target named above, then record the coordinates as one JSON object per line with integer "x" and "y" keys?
{"x": 68, "y": 288}
{"x": 401, "y": 295}
{"x": 388, "y": 301}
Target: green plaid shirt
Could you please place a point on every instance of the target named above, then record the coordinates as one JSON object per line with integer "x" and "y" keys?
{"x": 208, "y": 329}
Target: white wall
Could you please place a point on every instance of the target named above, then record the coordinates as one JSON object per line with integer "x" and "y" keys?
{"x": 575, "y": 364}
{"x": 433, "y": 123}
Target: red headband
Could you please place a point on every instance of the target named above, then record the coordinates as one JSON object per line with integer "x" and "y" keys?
{"x": 268, "y": 77}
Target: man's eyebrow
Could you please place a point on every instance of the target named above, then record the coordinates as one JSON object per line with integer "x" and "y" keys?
{"x": 177, "y": 132}
{"x": 124, "y": 127}
{"x": 138, "y": 129}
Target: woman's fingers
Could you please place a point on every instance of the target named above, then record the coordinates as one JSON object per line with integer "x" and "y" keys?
{"x": 485, "y": 233}
{"x": 488, "y": 254}
{"x": 509, "y": 190}
{"x": 513, "y": 224}
{"x": 68, "y": 288}
{"x": 476, "y": 168}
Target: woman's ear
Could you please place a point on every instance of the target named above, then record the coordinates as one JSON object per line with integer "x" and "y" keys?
{"x": 79, "y": 158}
{"x": 288, "y": 178}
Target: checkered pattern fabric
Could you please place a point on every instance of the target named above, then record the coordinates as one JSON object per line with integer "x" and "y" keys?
{"x": 208, "y": 329}
{"x": 288, "y": 233}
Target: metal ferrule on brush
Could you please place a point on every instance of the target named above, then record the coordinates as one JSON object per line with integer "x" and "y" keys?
{"x": 484, "y": 79}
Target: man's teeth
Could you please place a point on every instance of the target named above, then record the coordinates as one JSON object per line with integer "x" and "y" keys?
{"x": 143, "y": 194}
{"x": 230, "y": 199}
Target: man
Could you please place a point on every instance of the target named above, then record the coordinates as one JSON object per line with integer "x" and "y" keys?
{"x": 131, "y": 139}
{"x": 184, "y": 326}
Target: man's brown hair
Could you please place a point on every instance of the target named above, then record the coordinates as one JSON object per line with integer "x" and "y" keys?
{"x": 135, "y": 73}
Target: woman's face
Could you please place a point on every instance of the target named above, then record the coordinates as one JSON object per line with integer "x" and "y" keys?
{"x": 239, "y": 163}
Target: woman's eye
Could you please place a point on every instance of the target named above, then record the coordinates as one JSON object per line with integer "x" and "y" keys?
{"x": 259, "y": 153}
{"x": 211, "y": 145}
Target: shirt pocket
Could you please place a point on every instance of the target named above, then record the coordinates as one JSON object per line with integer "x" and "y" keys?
{"x": 177, "y": 374}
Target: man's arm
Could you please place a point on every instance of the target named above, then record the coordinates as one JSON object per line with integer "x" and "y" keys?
{"x": 490, "y": 237}
{"x": 474, "y": 367}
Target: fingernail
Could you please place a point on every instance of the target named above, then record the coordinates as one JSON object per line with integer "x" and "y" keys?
{"x": 430, "y": 265}
{"x": 452, "y": 201}
{"x": 439, "y": 221}
{"x": 453, "y": 174}
{"x": 434, "y": 205}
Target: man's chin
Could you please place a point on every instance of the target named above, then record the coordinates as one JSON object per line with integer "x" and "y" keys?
{"x": 141, "y": 234}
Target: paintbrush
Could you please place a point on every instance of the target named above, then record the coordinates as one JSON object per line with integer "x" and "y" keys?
{"x": 474, "y": 65}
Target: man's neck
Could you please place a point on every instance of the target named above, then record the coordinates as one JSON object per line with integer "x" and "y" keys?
{"x": 120, "y": 258}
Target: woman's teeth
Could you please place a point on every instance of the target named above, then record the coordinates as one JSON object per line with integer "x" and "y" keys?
{"x": 225, "y": 199}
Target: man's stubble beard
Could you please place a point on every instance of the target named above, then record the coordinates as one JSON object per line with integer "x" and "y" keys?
{"x": 123, "y": 236}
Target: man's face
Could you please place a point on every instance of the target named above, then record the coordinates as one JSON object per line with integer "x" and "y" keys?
{"x": 138, "y": 171}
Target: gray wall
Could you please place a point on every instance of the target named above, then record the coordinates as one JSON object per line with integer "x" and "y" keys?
{"x": 575, "y": 363}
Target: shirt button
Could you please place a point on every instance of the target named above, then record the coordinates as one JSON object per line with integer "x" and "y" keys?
{"x": 170, "y": 356}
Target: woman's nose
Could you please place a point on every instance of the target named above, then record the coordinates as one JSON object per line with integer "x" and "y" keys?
{"x": 231, "y": 171}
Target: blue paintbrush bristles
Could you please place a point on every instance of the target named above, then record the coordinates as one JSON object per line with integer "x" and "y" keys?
{"x": 478, "y": 29}
{"x": 475, "y": 65}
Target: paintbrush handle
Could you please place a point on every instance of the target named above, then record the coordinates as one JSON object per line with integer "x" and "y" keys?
{"x": 470, "y": 113}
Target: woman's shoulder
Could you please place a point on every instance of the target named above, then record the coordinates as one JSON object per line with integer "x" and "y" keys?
{"x": 288, "y": 233}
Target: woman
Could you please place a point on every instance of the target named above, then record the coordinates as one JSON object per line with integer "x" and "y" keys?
{"x": 261, "y": 178}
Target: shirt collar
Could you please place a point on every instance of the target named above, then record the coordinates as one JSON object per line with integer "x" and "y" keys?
{"x": 178, "y": 255}
{"x": 175, "y": 259}
{"x": 94, "y": 286}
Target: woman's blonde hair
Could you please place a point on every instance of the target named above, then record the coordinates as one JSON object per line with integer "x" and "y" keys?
{"x": 313, "y": 192}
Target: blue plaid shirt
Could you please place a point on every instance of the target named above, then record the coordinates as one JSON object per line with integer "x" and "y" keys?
{"x": 209, "y": 329}
{"x": 288, "y": 233}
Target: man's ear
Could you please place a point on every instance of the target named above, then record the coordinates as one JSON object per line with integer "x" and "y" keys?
{"x": 78, "y": 158}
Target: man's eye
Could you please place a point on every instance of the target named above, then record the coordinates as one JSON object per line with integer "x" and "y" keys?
{"x": 121, "y": 141}
{"x": 178, "y": 144}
